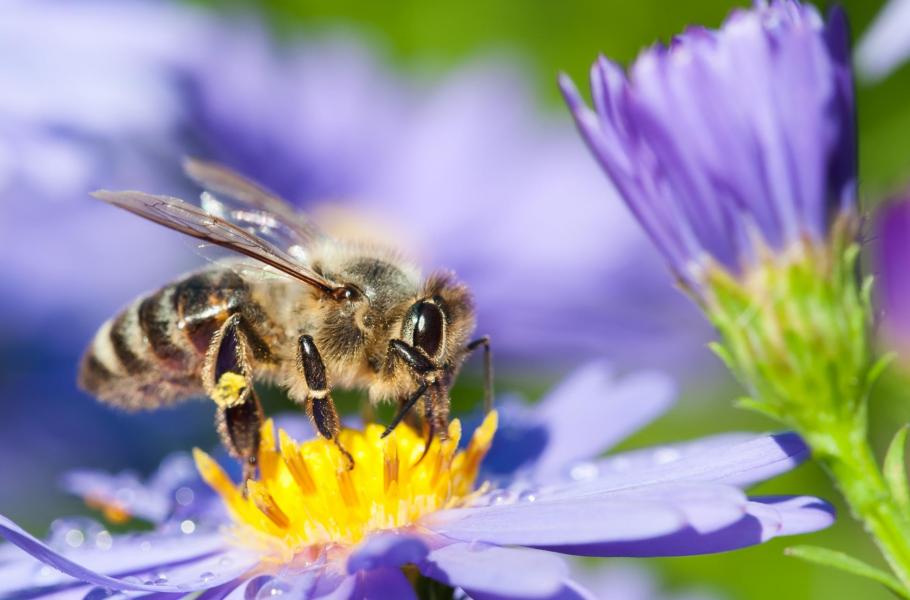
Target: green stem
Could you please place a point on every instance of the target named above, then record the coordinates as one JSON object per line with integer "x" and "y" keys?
{"x": 852, "y": 465}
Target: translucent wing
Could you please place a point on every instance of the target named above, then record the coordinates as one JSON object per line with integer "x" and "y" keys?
{"x": 238, "y": 200}
{"x": 192, "y": 220}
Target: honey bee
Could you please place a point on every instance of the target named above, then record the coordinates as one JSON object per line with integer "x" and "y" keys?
{"x": 298, "y": 309}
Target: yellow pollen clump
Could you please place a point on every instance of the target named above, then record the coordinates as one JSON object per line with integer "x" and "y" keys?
{"x": 307, "y": 496}
{"x": 229, "y": 389}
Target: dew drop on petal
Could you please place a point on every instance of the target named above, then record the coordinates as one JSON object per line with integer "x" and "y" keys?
{"x": 187, "y": 526}
{"x": 206, "y": 576}
{"x": 45, "y": 572}
{"x": 584, "y": 471}
{"x": 74, "y": 538}
{"x": 158, "y": 579}
{"x": 527, "y": 496}
{"x": 225, "y": 561}
{"x": 273, "y": 588}
{"x": 99, "y": 593}
{"x": 104, "y": 540}
{"x": 499, "y": 497}
{"x": 184, "y": 496}
{"x": 145, "y": 546}
{"x": 663, "y": 456}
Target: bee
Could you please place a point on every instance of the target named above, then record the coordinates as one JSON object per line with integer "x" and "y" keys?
{"x": 297, "y": 308}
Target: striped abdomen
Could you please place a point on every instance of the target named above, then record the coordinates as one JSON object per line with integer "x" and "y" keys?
{"x": 151, "y": 354}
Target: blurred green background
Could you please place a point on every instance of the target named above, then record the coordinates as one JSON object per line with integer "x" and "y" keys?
{"x": 548, "y": 37}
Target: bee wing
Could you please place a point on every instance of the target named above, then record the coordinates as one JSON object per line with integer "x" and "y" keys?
{"x": 241, "y": 199}
{"x": 193, "y": 221}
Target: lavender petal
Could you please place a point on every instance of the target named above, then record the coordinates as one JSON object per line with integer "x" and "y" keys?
{"x": 764, "y": 519}
{"x": 478, "y": 568}
{"x": 390, "y": 549}
{"x": 168, "y": 564}
{"x": 739, "y": 459}
{"x": 571, "y": 515}
{"x": 622, "y": 407}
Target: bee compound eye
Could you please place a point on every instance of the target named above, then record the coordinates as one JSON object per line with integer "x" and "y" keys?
{"x": 428, "y": 327}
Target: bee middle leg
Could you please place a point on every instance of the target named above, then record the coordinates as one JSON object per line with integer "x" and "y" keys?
{"x": 319, "y": 406}
{"x": 227, "y": 378}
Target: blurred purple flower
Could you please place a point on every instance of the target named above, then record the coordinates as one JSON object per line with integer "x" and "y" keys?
{"x": 886, "y": 43}
{"x": 893, "y": 258}
{"x": 91, "y": 101}
{"x": 675, "y": 500}
{"x": 732, "y": 138}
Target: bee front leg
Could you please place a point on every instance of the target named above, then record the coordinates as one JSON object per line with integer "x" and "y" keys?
{"x": 227, "y": 378}
{"x": 319, "y": 406}
{"x": 428, "y": 374}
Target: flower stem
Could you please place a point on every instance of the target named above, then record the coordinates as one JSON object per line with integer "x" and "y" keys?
{"x": 847, "y": 456}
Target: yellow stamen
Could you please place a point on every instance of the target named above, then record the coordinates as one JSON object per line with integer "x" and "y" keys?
{"x": 306, "y": 494}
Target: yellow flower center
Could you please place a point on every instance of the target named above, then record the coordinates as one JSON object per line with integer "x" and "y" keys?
{"x": 307, "y": 496}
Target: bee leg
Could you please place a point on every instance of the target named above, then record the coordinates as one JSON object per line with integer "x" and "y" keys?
{"x": 422, "y": 367}
{"x": 227, "y": 378}
{"x": 487, "y": 370}
{"x": 320, "y": 407}
{"x": 239, "y": 427}
{"x": 405, "y": 408}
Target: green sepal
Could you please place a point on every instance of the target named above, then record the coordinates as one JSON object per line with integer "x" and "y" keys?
{"x": 895, "y": 470}
{"x": 759, "y": 407}
{"x": 848, "y": 564}
{"x": 879, "y": 366}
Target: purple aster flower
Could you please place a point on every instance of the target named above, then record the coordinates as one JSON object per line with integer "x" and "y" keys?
{"x": 497, "y": 540}
{"x": 730, "y": 141}
{"x": 893, "y": 264}
{"x": 886, "y": 43}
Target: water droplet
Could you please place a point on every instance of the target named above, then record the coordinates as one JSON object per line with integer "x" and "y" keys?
{"x": 74, "y": 538}
{"x": 207, "y": 576}
{"x": 145, "y": 546}
{"x": 45, "y": 572}
{"x": 187, "y": 526}
{"x": 274, "y": 588}
{"x": 527, "y": 496}
{"x": 499, "y": 497}
{"x": 663, "y": 456}
{"x": 584, "y": 471}
{"x": 104, "y": 540}
{"x": 159, "y": 579}
{"x": 184, "y": 496}
{"x": 225, "y": 561}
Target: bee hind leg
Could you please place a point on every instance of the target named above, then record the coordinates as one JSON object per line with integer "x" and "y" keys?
{"x": 227, "y": 378}
{"x": 319, "y": 406}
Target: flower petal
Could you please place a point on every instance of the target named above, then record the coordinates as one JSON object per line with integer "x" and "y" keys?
{"x": 764, "y": 519}
{"x": 379, "y": 584}
{"x": 622, "y": 407}
{"x": 479, "y": 568}
{"x": 574, "y": 517}
{"x": 179, "y": 564}
{"x": 739, "y": 459}
{"x": 569, "y": 590}
{"x": 387, "y": 550}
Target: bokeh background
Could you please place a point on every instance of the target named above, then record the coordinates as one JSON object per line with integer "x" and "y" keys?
{"x": 435, "y": 124}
